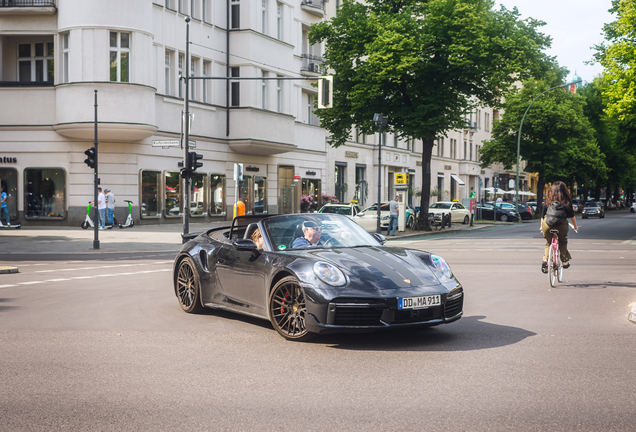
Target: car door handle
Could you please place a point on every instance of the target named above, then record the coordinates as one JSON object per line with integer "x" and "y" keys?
{"x": 220, "y": 261}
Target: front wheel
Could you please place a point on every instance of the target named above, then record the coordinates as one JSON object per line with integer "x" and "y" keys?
{"x": 287, "y": 310}
{"x": 411, "y": 223}
{"x": 504, "y": 218}
{"x": 466, "y": 220}
{"x": 188, "y": 287}
{"x": 85, "y": 225}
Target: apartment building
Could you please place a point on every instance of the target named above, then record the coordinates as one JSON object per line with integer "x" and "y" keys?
{"x": 56, "y": 55}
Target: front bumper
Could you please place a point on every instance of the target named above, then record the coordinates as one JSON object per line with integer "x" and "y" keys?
{"x": 347, "y": 315}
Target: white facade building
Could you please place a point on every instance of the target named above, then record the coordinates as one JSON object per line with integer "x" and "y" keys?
{"x": 54, "y": 54}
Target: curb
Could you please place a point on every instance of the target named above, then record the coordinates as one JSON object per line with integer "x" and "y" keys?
{"x": 444, "y": 231}
{"x": 7, "y": 270}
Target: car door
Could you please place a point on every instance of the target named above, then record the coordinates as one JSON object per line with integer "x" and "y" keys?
{"x": 368, "y": 218}
{"x": 242, "y": 275}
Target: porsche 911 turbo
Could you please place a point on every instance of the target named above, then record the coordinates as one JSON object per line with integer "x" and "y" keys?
{"x": 312, "y": 274}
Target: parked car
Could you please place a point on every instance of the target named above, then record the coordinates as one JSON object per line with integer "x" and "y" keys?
{"x": 368, "y": 218}
{"x": 501, "y": 214}
{"x": 523, "y": 210}
{"x": 532, "y": 205}
{"x": 632, "y": 209}
{"x": 346, "y": 282}
{"x": 349, "y": 210}
{"x": 458, "y": 212}
{"x": 592, "y": 209}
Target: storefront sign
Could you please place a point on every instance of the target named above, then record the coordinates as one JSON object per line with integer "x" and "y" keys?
{"x": 401, "y": 178}
{"x": 448, "y": 167}
{"x": 351, "y": 154}
{"x": 9, "y": 159}
{"x": 252, "y": 169}
{"x": 311, "y": 173}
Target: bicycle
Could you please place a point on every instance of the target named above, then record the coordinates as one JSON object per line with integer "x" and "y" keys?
{"x": 555, "y": 266}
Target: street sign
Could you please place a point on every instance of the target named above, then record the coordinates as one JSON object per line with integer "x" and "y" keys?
{"x": 400, "y": 178}
{"x": 511, "y": 183}
{"x": 192, "y": 144}
{"x": 169, "y": 143}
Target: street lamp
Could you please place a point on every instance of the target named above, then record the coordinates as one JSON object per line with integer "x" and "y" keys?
{"x": 519, "y": 144}
{"x": 381, "y": 122}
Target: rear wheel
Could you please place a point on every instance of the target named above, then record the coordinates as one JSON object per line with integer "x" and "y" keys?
{"x": 551, "y": 269}
{"x": 188, "y": 287}
{"x": 287, "y": 310}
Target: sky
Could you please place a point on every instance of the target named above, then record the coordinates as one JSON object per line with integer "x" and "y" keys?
{"x": 575, "y": 27}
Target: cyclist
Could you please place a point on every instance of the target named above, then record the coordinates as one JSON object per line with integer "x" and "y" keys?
{"x": 555, "y": 215}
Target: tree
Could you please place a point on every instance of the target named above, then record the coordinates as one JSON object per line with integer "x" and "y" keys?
{"x": 557, "y": 140}
{"x": 424, "y": 64}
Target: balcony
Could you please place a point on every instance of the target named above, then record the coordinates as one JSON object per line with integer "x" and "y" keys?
{"x": 314, "y": 7}
{"x": 27, "y": 7}
{"x": 312, "y": 65}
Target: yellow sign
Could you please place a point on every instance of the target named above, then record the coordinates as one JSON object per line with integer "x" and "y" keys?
{"x": 401, "y": 178}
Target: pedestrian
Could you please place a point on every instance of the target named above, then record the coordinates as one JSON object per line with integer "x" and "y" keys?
{"x": 3, "y": 206}
{"x": 555, "y": 215}
{"x": 101, "y": 207}
{"x": 394, "y": 211}
{"x": 110, "y": 206}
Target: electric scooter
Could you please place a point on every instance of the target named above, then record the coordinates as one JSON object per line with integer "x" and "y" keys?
{"x": 129, "y": 220}
{"x": 88, "y": 222}
{"x": 15, "y": 226}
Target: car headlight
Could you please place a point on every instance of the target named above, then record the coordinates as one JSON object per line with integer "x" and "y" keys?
{"x": 386, "y": 218}
{"x": 441, "y": 266}
{"x": 329, "y": 274}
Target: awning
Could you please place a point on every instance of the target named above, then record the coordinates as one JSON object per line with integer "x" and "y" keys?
{"x": 458, "y": 180}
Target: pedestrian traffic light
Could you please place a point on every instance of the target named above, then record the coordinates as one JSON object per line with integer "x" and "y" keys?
{"x": 325, "y": 92}
{"x": 91, "y": 159}
{"x": 193, "y": 161}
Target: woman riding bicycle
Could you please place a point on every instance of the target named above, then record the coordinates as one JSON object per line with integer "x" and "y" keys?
{"x": 554, "y": 216}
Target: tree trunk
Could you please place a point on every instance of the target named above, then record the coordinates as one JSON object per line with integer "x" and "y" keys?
{"x": 540, "y": 188}
{"x": 427, "y": 151}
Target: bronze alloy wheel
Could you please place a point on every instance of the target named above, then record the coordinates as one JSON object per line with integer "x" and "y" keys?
{"x": 188, "y": 286}
{"x": 287, "y": 310}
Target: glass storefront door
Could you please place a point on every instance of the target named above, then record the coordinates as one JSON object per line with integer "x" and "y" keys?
{"x": 173, "y": 205}
{"x": 288, "y": 190}
{"x": 150, "y": 206}
{"x": 217, "y": 192}
{"x": 197, "y": 195}
{"x": 9, "y": 181}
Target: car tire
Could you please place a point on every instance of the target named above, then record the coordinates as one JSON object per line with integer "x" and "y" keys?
{"x": 188, "y": 288}
{"x": 584, "y": 217}
{"x": 504, "y": 218}
{"x": 287, "y": 309}
{"x": 466, "y": 220}
{"x": 631, "y": 210}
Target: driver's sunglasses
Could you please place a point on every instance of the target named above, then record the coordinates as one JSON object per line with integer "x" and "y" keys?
{"x": 316, "y": 228}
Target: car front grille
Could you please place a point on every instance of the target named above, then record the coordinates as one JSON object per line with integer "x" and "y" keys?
{"x": 355, "y": 316}
{"x": 417, "y": 315}
{"x": 453, "y": 307}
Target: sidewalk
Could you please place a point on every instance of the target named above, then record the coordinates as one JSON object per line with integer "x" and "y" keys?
{"x": 140, "y": 238}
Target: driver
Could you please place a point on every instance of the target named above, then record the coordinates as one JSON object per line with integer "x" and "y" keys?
{"x": 311, "y": 235}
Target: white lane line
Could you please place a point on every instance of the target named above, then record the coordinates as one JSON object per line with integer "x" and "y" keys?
{"x": 31, "y": 282}
{"x": 86, "y": 277}
{"x": 7, "y": 286}
{"x": 103, "y": 267}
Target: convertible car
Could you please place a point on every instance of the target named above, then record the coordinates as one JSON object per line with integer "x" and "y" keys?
{"x": 341, "y": 279}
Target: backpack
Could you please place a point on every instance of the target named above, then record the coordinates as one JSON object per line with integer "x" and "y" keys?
{"x": 555, "y": 215}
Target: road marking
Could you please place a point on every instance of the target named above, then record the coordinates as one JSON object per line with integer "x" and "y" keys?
{"x": 102, "y": 267}
{"x": 85, "y": 277}
{"x": 7, "y": 286}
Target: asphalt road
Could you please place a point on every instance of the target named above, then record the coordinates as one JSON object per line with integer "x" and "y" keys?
{"x": 103, "y": 345}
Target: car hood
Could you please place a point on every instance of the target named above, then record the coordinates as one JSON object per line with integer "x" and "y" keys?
{"x": 381, "y": 268}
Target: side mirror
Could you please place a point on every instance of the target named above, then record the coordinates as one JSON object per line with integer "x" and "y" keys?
{"x": 380, "y": 238}
{"x": 244, "y": 245}
{"x": 360, "y": 214}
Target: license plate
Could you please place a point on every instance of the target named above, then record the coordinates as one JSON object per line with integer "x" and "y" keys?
{"x": 419, "y": 302}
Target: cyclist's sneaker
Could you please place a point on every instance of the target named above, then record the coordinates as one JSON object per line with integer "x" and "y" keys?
{"x": 544, "y": 267}
{"x": 566, "y": 265}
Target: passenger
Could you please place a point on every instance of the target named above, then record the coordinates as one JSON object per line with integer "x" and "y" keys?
{"x": 257, "y": 238}
{"x": 311, "y": 235}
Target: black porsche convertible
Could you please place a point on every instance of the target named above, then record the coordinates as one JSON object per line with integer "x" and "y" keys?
{"x": 314, "y": 273}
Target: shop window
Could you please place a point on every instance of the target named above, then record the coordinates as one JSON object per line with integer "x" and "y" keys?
{"x": 340, "y": 181}
{"x": 150, "y": 194}
{"x": 362, "y": 190}
{"x": 172, "y": 193}
{"x": 288, "y": 194}
{"x": 197, "y": 195}
{"x": 312, "y": 197}
{"x": 45, "y": 193}
{"x": 217, "y": 189}
{"x": 9, "y": 182}
{"x": 260, "y": 195}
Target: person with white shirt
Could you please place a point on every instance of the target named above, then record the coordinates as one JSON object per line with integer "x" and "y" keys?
{"x": 110, "y": 207}
{"x": 101, "y": 207}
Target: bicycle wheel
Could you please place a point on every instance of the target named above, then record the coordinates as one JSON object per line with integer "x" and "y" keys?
{"x": 551, "y": 269}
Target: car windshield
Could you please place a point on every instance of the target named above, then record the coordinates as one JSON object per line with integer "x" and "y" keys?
{"x": 440, "y": 206}
{"x": 336, "y": 231}
{"x": 342, "y": 210}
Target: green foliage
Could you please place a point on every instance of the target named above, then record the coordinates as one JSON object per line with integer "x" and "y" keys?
{"x": 423, "y": 64}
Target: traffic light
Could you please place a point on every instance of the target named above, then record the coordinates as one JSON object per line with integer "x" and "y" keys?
{"x": 325, "y": 92}
{"x": 193, "y": 161}
{"x": 91, "y": 159}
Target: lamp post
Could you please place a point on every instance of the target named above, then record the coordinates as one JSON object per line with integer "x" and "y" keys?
{"x": 381, "y": 122}
{"x": 519, "y": 144}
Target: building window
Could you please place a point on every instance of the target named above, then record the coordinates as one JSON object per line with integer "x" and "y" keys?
{"x": 9, "y": 182}
{"x": 341, "y": 181}
{"x": 470, "y": 144}
{"x": 279, "y": 95}
{"x": 235, "y": 87}
{"x": 440, "y": 146}
{"x": 173, "y": 206}
{"x": 395, "y": 140}
{"x": 119, "y": 57}
{"x": 206, "y": 11}
{"x": 150, "y": 184}
{"x": 465, "y": 150}
{"x": 35, "y": 62}
{"x": 198, "y": 193}
{"x": 181, "y": 6}
{"x": 194, "y": 13}
{"x": 279, "y": 21}
{"x": 66, "y": 52}
{"x": 180, "y": 65}
{"x": 264, "y": 16}
{"x": 217, "y": 188}
{"x": 235, "y": 14}
{"x": 44, "y": 193}
{"x": 487, "y": 122}
{"x": 170, "y": 4}
{"x": 167, "y": 71}
{"x": 207, "y": 66}
{"x": 263, "y": 90}
{"x": 193, "y": 83}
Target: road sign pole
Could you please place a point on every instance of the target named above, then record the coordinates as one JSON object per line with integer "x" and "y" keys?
{"x": 186, "y": 147}
{"x": 95, "y": 183}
